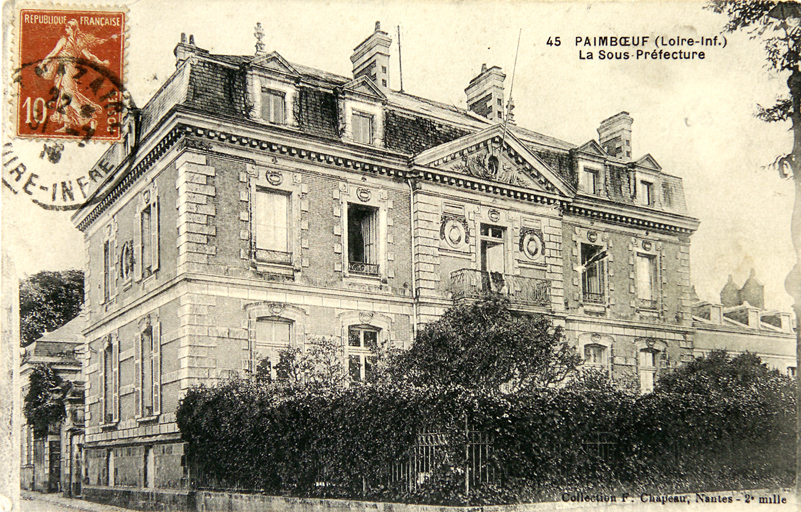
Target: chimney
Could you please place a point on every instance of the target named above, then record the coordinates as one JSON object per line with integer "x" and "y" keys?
{"x": 184, "y": 50}
{"x": 615, "y": 135}
{"x": 787, "y": 326}
{"x": 753, "y": 316}
{"x": 730, "y": 294}
{"x": 371, "y": 58}
{"x": 716, "y": 314}
{"x": 753, "y": 291}
{"x": 485, "y": 93}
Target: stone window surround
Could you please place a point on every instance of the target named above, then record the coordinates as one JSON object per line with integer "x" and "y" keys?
{"x": 651, "y": 177}
{"x": 658, "y": 347}
{"x": 482, "y": 216}
{"x": 260, "y": 83}
{"x": 602, "y": 340}
{"x": 601, "y": 240}
{"x": 285, "y": 182}
{"x": 654, "y": 251}
{"x": 376, "y": 110}
{"x": 109, "y": 346}
{"x": 147, "y": 197}
{"x": 108, "y": 297}
{"x": 380, "y": 322}
{"x": 280, "y": 311}
{"x": 377, "y": 199}
{"x": 150, "y": 321}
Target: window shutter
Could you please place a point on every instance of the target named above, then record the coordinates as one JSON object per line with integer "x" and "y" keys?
{"x": 115, "y": 378}
{"x": 156, "y": 367}
{"x": 138, "y": 376}
{"x": 154, "y": 234}
{"x": 137, "y": 248}
{"x": 112, "y": 267}
{"x": 102, "y": 386}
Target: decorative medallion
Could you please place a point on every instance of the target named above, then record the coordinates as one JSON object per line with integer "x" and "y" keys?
{"x": 146, "y": 196}
{"x": 595, "y": 337}
{"x": 646, "y": 245}
{"x": 365, "y": 317}
{"x": 126, "y": 260}
{"x": 363, "y": 194}
{"x": 275, "y": 178}
{"x": 489, "y": 167}
{"x": 531, "y": 243}
{"x": 592, "y": 236}
{"x": 454, "y": 230}
{"x": 276, "y": 308}
{"x": 494, "y": 215}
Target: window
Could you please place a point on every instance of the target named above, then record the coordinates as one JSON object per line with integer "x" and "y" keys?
{"x": 594, "y": 355}
{"x": 108, "y": 255}
{"x": 647, "y": 190}
{"x": 146, "y": 237}
{"x": 108, "y": 384}
{"x": 493, "y": 252}
{"x": 791, "y": 372}
{"x": 273, "y": 106}
{"x": 363, "y": 239}
{"x": 362, "y": 128}
{"x": 646, "y": 281}
{"x": 147, "y": 363}
{"x": 591, "y": 181}
{"x": 648, "y": 359}
{"x": 271, "y": 227}
{"x": 592, "y": 278}
{"x": 362, "y": 346}
{"x": 272, "y": 336}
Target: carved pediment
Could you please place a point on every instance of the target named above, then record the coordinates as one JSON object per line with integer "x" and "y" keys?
{"x": 649, "y": 162}
{"x": 274, "y": 62}
{"x": 592, "y": 148}
{"x": 494, "y": 155}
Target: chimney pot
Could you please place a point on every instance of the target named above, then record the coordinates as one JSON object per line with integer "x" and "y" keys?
{"x": 378, "y": 26}
{"x": 183, "y": 37}
{"x": 614, "y": 135}
{"x": 485, "y": 93}
{"x": 192, "y": 39}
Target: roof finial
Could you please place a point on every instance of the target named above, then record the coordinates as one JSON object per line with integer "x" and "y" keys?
{"x": 378, "y": 26}
{"x": 259, "y": 33}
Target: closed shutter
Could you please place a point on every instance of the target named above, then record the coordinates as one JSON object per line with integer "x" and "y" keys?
{"x": 154, "y": 233}
{"x": 369, "y": 237}
{"x": 138, "y": 376}
{"x": 102, "y": 386}
{"x": 115, "y": 378}
{"x": 137, "y": 248}
{"x": 112, "y": 263}
{"x": 156, "y": 367}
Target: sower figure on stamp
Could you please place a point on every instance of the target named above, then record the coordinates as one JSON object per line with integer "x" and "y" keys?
{"x": 72, "y": 108}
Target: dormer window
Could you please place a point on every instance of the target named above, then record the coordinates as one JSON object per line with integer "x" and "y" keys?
{"x": 590, "y": 181}
{"x": 646, "y": 193}
{"x": 273, "y": 106}
{"x": 362, "y": 128}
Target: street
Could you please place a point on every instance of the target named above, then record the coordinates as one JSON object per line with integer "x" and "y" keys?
{"x": 39, "y": 502}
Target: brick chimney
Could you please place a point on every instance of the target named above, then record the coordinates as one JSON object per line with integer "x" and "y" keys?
{"x": 371, "y": 58}
{"x": 183, "y": 50}
{"x": 485, "y": 93}
{"x": 615, "y": 135}
{"x": 753, "y": 291}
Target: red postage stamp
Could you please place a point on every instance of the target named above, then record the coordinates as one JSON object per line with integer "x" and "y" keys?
{"x": 70, "y": 75}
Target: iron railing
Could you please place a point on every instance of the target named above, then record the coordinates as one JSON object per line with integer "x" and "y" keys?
{"x": 358, "y": 267}
{"x": 469, "y": 283}
{"x": 593, "y": 298}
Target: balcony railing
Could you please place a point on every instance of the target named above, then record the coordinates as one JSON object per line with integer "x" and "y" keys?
{"x": 593, "y": 298}
{"x": 468, "y": 283}
{"x": 358, "y": 267}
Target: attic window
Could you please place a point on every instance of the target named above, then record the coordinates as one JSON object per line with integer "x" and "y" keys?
{"x": 362, "y": 128}
{"x": 273, "y": 106}
{"x": 647, "y": 196}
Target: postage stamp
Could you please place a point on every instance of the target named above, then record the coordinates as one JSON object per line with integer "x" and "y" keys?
{"x": 70, "y": 75}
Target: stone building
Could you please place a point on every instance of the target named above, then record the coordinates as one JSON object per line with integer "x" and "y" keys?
{"x": 258, "y": 204}
{"x": 52, "y": 462}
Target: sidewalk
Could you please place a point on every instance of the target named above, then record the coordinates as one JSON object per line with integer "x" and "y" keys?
{"x": 58, "y": 501}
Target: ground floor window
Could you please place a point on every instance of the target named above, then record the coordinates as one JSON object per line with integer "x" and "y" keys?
{"x": 362, "y": 348}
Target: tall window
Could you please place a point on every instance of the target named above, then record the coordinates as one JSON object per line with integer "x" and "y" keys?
{"x": 647, "y": 191}
{"x": 273, "y": 106}
{"x": 648, "y": 359}
{"x": 146, "y": 239}
{"x": 646, "y": 281}
{"x": 591, "y": 181}
{"x": 108, "y": 384}
{"x": 146, "y": 219}
{"x": 363, "y": 239}
{"x": 271, "y": 221}
{"x": 362, "y": 128}
{"x": 592, "y": 280}
{"x": 272, "y": 336}
{"x": 107, "y": 272}
{"x": 147, "y": 362}
{"x": 362, "y": 347}
{"x": 493, "y": 252}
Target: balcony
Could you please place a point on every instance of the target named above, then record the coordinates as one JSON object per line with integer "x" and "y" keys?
{"x": 469, "y": 284}
{"x": 366, "y": 269}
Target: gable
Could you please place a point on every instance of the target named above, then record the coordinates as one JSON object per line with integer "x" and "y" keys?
{"x": 592, "y": 148}
{"x": 480, "y": 155}
{"x": 649, "y": 162}
{"x": 363, "y": 86}
{"x": 274, "y": 62}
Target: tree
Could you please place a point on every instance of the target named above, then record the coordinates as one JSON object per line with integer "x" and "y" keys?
{"x": 777, "y": 25}
{"x": 319, "y": 364}
{"x": 482, "y": 344}
{"x": 44, "y": 402}
{"x": 48, "y": 300}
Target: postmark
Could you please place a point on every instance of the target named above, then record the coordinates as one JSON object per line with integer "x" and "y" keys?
{"x": 69, "y": 79}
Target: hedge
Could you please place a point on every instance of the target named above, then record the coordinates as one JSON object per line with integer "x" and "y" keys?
{"x": 342, "y": 442}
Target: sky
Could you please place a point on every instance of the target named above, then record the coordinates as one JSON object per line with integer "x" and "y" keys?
{"x": 695, "y": 117}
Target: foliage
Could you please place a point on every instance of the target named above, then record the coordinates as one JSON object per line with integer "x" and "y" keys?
{"x": 48, "y": 300}
{"x": 715, "y": 432}
{"x": 483, "y": 345}
{"x": 44, "y": 402}
{"x": 318, "y": 365}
